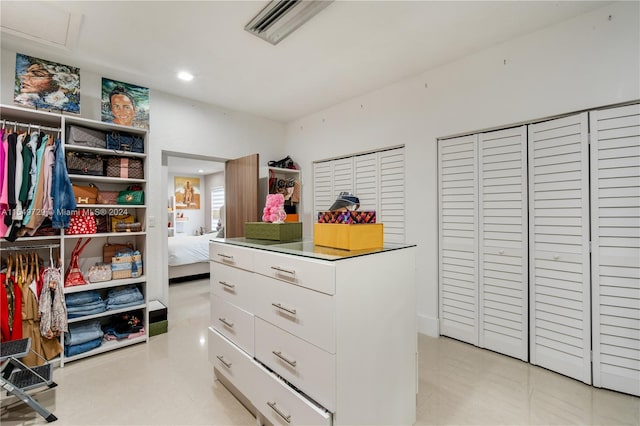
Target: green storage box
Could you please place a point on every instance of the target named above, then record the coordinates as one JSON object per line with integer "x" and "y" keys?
{"x": 287, "y": 231}
{"x": 159, "y": 327}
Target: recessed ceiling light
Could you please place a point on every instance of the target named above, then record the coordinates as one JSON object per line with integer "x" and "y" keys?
{"x": 200, "y": 171}
{"x": 184, "y": 75}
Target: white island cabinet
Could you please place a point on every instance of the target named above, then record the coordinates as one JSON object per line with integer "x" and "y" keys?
{"x": 303, "y": 334}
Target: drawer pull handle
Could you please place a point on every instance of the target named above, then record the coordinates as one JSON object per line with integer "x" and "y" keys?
{"x": 279, "y": 306}
{"x": 225, "y": 256}
{"x": 227, "y": 285}
{"x": 221, "y": 358}
{"x": 287, "y": 271}
{"x": 282, "y": 357}
{"x": 225, "y": 322}
{"x": 556, "y": 257}
{"x": 278, "y": 412}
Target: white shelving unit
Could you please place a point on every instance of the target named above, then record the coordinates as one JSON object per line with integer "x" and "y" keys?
{"x": 284, "y": 175}
{"x": 93, "y": 252}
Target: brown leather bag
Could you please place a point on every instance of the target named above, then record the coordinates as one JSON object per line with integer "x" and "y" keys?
{"x": 110, "y": 249}
{"x": 86, "y": 194}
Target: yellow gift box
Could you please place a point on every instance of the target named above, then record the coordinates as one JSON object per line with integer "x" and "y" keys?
{"x": 359, "y": 236}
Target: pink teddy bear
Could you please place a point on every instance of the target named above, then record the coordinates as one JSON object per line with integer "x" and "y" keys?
{"x": 274, "y": 209}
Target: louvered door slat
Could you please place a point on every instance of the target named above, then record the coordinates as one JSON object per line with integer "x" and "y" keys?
{"x": 458, "y": 284}
{"x": 503, "y": 278}
{"x": 559, "y": 246}
{"x": 615, "y": 230}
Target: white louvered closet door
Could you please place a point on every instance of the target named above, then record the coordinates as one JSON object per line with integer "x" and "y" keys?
{"x": 559, "y": 265}
{"x": 458, "y": 248}
{"x": 392, "y": 195}
{"x": 342, "y": 177}
{"x": 503, "y": 255}
{"x": 615, "y": 213}
{"x": 322, "y": 187}
{"x": 367, "y": 181}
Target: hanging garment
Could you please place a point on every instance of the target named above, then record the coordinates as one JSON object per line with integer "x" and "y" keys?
{"x": 53, "y": 311}
{"x": 62, "y": 192}
{"x": 11, "y": 312}
{"x": 12, "y": 140}
{"x": 4, "y": 199}
{"x": 31, "y": 219}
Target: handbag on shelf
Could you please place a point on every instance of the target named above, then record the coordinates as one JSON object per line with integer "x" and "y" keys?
{"x": 121, "y": 219}
{"x": 82, "y": 136}
{"x": 85, "y": 163}
{"x": 82, "y": 221}
{"x": 85, "y": 194}
{"x": 131, "y": 197}
{"x": 110, "y": 249}
{"x": 73, "y": 276}
{"x": 128, "y": 227}
{"x": 108, "y": 197}
{"x": 124, "y": 167}
{"x": 125, "y": 142}
{"x": 126, "y": 264}
{"x": 99, "y": 272}
{"x": 102, "y": 223}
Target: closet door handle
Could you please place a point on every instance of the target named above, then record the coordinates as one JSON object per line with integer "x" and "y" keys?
{"x": 556, "y": 257}
{"x": 221, "y": 358}
{"x": 501, "y": 252}
{"x": 286, "y": 271}
{"x": 225, "y": 322}
{"x": 279, "y": 306}
{"x": 225, "y": 256}
{"x": 227, "y": 285}
{"x": 286, "y": 418}
{"x": 285, "y": 359}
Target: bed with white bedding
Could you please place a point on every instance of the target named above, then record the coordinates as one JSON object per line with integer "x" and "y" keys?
{"x": 189, "y": 255}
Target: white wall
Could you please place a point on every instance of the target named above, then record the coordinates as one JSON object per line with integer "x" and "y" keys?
{"x": 177, "y": 125}
{"x": 583, "y": 63}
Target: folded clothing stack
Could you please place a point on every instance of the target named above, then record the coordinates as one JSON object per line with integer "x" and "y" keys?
{"x": 84, "y": 303}
{"x": 124, "y": 297}
{"x": 82, "y": 337}
{"x": 124, "y": 326}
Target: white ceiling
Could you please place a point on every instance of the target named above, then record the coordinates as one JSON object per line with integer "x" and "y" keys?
{"x": 350, "y": 48}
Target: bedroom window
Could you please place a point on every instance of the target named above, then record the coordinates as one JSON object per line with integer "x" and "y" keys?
{"x": 217, "y": 201}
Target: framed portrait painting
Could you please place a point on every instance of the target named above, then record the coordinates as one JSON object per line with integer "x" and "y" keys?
{"x": 187, "y": 192}
{"x": 46, "y": 85}
{"x": 125, "y": 104}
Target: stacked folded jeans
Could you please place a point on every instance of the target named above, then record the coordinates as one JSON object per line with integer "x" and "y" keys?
{"x": 82, "y": 337}
{"x": 124, "y": 297}
{"x": 84, "y": 303}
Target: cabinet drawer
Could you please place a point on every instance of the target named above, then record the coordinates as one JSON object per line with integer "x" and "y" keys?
{"x": 305, "y": 272}
{"x": 282, "y": 405}
{"x": 239, "y": 257}
{"x": 233, "y": 323}
{"x": 304, "y": 365}
{"x": 302, "y": 312}
{"x": 232, "y": 285}
{"x": 235, "y": 365}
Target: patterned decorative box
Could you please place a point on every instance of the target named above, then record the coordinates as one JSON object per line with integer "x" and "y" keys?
{"x": 349, "y": 237}
{"x": 288, "y": 231}
{"x": 350, "y": 218}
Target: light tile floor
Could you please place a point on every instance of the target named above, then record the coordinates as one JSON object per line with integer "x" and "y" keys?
{"x": 170, "y": 382}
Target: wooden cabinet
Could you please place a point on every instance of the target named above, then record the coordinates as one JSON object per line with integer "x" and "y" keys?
{"x": 309, "y": 335}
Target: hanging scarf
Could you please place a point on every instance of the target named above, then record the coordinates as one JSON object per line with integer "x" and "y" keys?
{"x": 53, "y": 310}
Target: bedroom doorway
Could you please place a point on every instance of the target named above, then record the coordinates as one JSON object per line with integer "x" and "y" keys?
{"x": 189, "y": 180}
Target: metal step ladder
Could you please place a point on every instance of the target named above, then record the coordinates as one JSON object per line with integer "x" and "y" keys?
{"x": 16, "y": 378}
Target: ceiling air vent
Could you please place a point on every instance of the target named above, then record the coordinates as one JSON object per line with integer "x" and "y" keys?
{"x": 280, "y": 18}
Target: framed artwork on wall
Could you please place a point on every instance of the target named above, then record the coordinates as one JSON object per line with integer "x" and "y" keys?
{"x": 125, "y": 104}
{"x": 46, "y": 85}
{"x": 187, "y": 192}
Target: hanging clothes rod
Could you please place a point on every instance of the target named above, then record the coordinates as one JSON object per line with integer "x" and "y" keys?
{"x": 6, "y": 123}
{"x": 31, "y": 247}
